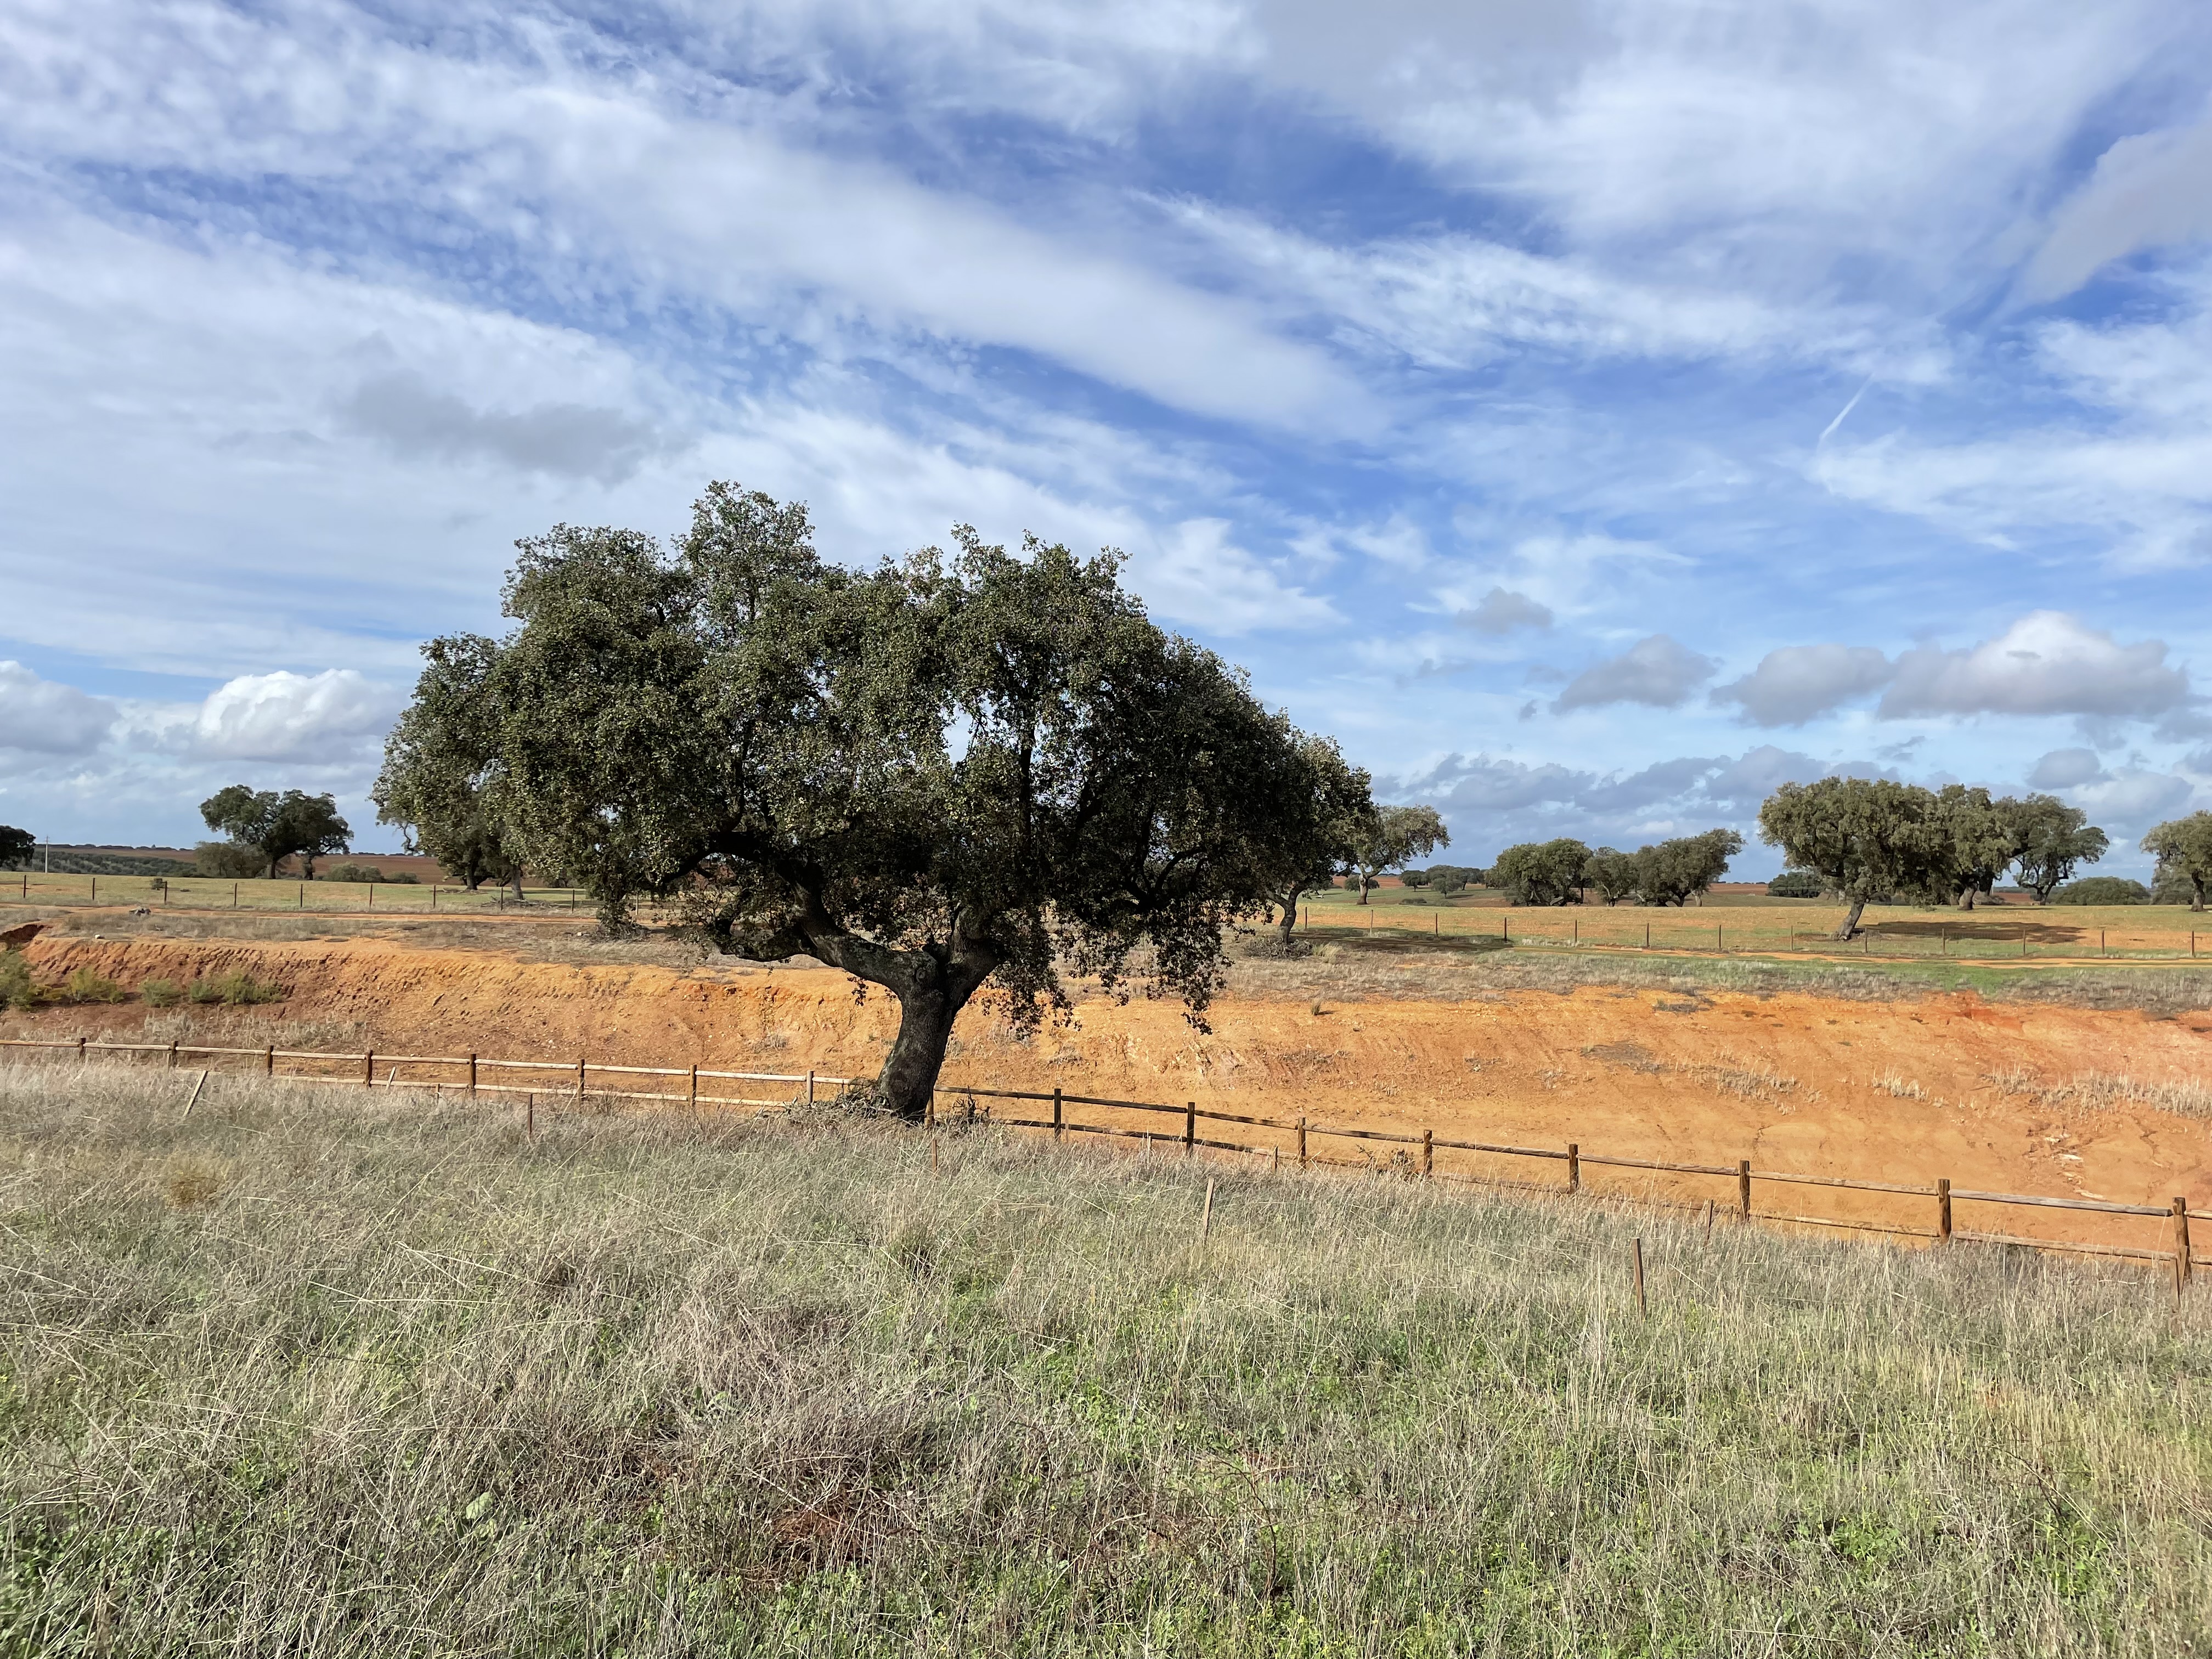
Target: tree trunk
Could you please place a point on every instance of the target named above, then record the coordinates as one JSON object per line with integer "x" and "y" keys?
{"x": 2197, "y": 887}
{"x": 518, "y": 884}
{"x": 1851, "y": 928}
{"x": 1966, "y": 896}
{"x": 1290, "y": 922}
{"x": 1362, "y": 889}
{"x": 910, "y": 1074}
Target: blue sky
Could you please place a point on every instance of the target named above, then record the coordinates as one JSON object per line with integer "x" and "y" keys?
{"x": 1592, "y": 414}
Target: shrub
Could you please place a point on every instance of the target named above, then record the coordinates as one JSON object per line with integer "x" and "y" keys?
{"x": 85, "y": 986}
{"x": 2102, "y": 889}
{"x": 161, "y": 993}
{"x": 1797, "y": 884}
{"x": 227, "y": 860}
{"x": 235, "y": 989}
{"x": 404, "y": 878}
{"x": 159, "y": 884}
{"x": 357, "y": 873}
{"x": 17, "y": 990}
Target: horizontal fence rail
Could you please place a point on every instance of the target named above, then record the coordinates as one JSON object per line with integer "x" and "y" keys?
{"x": 574, "y": 1079}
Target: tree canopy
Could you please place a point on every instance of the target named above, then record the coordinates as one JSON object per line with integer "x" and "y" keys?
{"x": 1384, "y": 837}
{"x": 941, "y": 772}
{"x": 17, "y": 846}
{"x": 2183, "y": 847}
{"x": 2053, "y": 840}
{"x": 1866, "y": 837}
{"x": 279, "y": 826}
{"x": 438, "y": 762}
{"x": 1325, "y": 818}
{"x": 1543, "y": 872}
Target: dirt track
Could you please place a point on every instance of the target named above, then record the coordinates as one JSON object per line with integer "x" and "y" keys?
{"x": 1944, "y": 1085}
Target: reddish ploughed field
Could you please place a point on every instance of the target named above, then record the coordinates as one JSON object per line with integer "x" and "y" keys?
{"x": 2003, "y": 1096}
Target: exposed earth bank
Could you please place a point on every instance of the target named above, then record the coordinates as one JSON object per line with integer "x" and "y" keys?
{"x": 2017, "y": 1096}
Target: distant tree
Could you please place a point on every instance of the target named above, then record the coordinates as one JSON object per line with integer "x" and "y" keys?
{"x": 1413, "y": 878}
{"x": 17, "y": 846}
{"x": 1613, "y": 874}
{"x": 292, "y": 824}
{"x": 2051, "y": 839}
{"x": 1388, "y": 837}
{"x": 228, "y": 860}
{"x": 1320, "y": 831}
{"x": 1452, "y": 879}
{"x": 2183, "y": 847}
{"x": 2102, "y": 889}
{"x": 1796, "y": 884}
{"x": 936, "y": 774}
{"x": 1866, "y": 837}
{"x": 438, "y": 762}
{"x": 1973, "y": 841}
{"x": 1677, "y": 871}
{"x": 1543, "y": 872}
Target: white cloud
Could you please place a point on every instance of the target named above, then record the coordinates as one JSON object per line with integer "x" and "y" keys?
{"x": 321, "y": 719}
{"x": 2134, "y": 798}
{"x": 2047, "y": 663}
{"x": 2148, "y": 191}
{"x": 1500, "y": 611}
{"x": 2066, "y": 768}
{"x": 1655, "y": 670}
{"x": 1749, "y": 780}
{"x": 1799, "y": 683}
{"x": 1194, "y": 573}
{"x": 44, "y": 717}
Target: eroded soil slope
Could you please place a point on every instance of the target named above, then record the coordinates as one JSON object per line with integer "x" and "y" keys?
{"x": 2014, "y": 1097}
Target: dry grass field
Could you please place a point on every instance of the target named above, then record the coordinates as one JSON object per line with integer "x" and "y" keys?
{"x": 321, "y": 1373}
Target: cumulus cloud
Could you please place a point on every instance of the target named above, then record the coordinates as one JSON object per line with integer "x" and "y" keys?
{"x": 1658, "y": 672}
{"x": 44, "y": 717}
{"x": 2064, "y": 768}
{"x": 412, "y": 418}
{"x": 316, "y": 718}
{"x": 1743, "y": 783}
{"x": 1195, "y": 574}
{"x": 1799, "y": 683}
{"x": 2134, "y": 797}
{"x": 2047, "y": 663}
{"x": 2148, "y": 191}
{"x": 1501, "y": 611}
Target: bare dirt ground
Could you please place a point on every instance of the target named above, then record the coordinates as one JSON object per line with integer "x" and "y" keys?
{"x": 1822, "y": 1075}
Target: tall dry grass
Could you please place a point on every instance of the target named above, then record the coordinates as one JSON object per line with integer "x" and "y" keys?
{"x": 310, "y": 1372}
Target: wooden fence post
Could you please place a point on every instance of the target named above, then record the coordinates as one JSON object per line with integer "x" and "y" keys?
{"x": 1641, "y": 1307}
{"x": 1057, "y": 1119}
{"x": 80, "y": 1050}
{"x": 1743, "y": 1187}
{"x": 1301, "y": 1143}
{"x": 692, "y": 1102}
{"x": 1205, "y": 1217}
{"x": 369, "y": 1070}
{"x": 472, "y": 1077}
{"x": 530, "y": 1115}
{"x": 269, "y": 1061}
{"x": 173, "y": 1056}
{"x": 2181, "y": 1265}
{"x": 810, "y": 1086}
{"x": 1189, "y": 1128}
{"x": 1574, "y": 1167}
{"x": 579, "y": 1081}
{"x": 1428, "y": 1151}
{"x": 1943, "y": 1210}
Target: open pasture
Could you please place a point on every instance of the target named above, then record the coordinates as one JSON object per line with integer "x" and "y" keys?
{"x": 316, "y": 1373}
{"x": 1742, "y": 922}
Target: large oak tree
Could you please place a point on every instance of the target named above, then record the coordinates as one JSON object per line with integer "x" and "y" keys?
{"x": 937, "y": 775}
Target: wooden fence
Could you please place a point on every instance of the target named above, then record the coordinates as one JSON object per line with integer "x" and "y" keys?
{"x": 1413, "y": 1155}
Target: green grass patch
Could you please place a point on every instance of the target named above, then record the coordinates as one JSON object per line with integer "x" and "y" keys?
{"x": 304, "y": 1373}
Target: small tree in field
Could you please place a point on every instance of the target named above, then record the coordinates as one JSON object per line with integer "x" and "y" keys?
{"x": 2051, "y": 841}
{"x": 1611, "y": 874}
{"x": 1389, "y": 835}
{"x": 2183, "y": 847}
{"x": 1325, "y": 815}
{"x": 1677, "y": 871}
{"x": 1543, "y": 872}
{"x": 437, "y": 762}
{"x": 292, "y": 824}
{"x": 937, "y": 775}
{"x": 17, "y": 846}
{"x": 1866, "y": 837}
